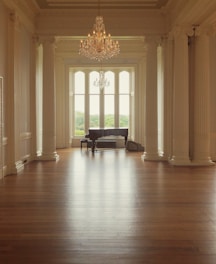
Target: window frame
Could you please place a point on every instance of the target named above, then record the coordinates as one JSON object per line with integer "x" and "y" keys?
{"x": 87, "y": 71}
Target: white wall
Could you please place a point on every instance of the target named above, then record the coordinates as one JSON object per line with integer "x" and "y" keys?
{"x": 16, "y": 68}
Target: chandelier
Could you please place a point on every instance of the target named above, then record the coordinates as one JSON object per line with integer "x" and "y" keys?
{"x": 99, "y": 46}
{"x": 101, "y": 82}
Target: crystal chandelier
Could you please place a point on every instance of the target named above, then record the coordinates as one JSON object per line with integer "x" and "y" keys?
{"x": 99, "y": 46}
{"x": 101, "y": 82}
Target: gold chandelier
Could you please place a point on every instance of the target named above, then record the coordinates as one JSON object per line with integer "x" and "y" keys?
{"x": 99, "y": 46}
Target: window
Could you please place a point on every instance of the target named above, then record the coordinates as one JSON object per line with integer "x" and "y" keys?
{"x": 94, "y": 101}
{"x": 106, "y": 107}
{"x": 124, "y": 99}
{"x": 79, "y": 103}
{"x": 109, "y": 101}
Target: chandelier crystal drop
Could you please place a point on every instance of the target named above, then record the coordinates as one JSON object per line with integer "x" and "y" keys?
{"x": 101, "y": 82}
{"x": 99, "y": 46}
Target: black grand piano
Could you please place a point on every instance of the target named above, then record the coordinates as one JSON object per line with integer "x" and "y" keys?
{"x": 95, "y": 133}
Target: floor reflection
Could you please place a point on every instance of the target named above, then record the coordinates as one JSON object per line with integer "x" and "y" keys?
{"x": 102, "y": 195}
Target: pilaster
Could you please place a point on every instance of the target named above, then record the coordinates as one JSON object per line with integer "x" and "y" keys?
{"x": 12, "y": 159}
{"x": 180, "y": 122}
{"x": 167, "y": 45}
{"x": 33, "y": 117}
{"x": 1, "y": 129}
{"x": 151, "y": 121}
{"x": 49, "y": 101}
{"x": 201, "y": 151}
{"x": 213, "y": 96}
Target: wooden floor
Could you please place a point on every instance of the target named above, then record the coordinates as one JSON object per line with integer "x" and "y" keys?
{"x": 108, "y": 208}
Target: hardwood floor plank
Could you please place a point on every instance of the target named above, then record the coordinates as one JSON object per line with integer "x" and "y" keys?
{"x": 108, "y": 207}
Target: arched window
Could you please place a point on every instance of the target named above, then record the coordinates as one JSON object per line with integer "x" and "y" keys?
{"x": 102, "y": 107}
{"x": 94, "y": 101}
{"x": 109, "y": 101}
{"x": 79, "y": 103}
{"x": 124, "y": 98}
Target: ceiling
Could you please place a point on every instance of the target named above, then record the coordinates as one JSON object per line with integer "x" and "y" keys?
{"x": 103, "y": 4}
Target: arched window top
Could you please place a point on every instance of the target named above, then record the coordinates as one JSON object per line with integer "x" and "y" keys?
{"x": 93, "y": 88}
{"x": 124, "y": 82}
{"x": 79, "y": 79}
{"x": 110, "y": 79}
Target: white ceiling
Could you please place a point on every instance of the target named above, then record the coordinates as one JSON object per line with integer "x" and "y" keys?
{"x": 103, "y": 4}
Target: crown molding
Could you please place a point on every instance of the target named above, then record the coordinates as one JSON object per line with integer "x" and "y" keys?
{"x": 191, "y": 12}
{"x": 25, "y": 10}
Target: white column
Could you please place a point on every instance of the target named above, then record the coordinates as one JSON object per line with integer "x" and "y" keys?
{"x": 201, "y": 151}
{"x": 213, "y": 96}
{"x": 151, "y": 131}
{"x": 33, "y": 117}
{"x": 13, "y": 164}
{"x": 49, "y": 101}
{"x": 1, "y": 130}
{"x": 180, "y": 131}
{"x": 168, "y": 44}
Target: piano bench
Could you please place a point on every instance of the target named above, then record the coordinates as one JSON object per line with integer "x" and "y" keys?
{"x": 105, "y": 143}
{"x": 86, "y": 141}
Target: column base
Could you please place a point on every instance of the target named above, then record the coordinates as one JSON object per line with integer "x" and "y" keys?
{"x": 202, "y": 162}
{"x": 14, "y": 168}
{"x": 187, "y": 162}
{"x": 48, "y": 156}
{"x": 180, "y": 161}
{"x": 19, "y": 166}
{"x": 3, "y": 172}
{"x": 153, "y": 157}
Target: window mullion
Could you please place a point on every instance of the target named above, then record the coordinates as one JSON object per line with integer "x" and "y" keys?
{"x": 102, "y": 117}
{"x": 116, "y": 113}
{"x": 86, "y": 101}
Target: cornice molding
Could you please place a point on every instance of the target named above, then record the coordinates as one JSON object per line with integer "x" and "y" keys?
{"x": 25, "y": 10}
{"x": 192, "y": 30}
{"x": 28, "y": 7}
{"x": 205, "y": 30}
{"x": 191, "y": 12}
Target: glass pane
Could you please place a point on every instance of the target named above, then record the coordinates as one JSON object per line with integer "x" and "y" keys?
{"x": 94, "y": 112}
{"x": 93, "y": 82}
{"x": 79, "y": 115}
{"x": 109, "y": 111}
{"x": 79, "y": 83}
{"x": 110, "y": 80}
{"x": 124, "y": 82}
{"x": 123, "y": 110}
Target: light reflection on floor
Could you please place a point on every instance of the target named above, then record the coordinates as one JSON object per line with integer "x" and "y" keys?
{"x": 101, "y": 194}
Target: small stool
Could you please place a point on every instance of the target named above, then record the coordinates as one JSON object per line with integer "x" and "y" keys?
{"x": 83, "y": 140}
{"x": 88, "y": 142}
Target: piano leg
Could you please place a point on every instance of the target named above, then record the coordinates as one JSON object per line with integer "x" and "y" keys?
{"x": 125, "y": 140}
{"x": 93, "y": 145}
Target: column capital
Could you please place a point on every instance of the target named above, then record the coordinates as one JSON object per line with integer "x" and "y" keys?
{"x": 181, "y": 30}
{"x": 36, "y": 40}
{"x": 192, "y": 30}
{"x": 46, "y": 39}
{"x": 14, "y": 18}
{"x": 154, "y": 40}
